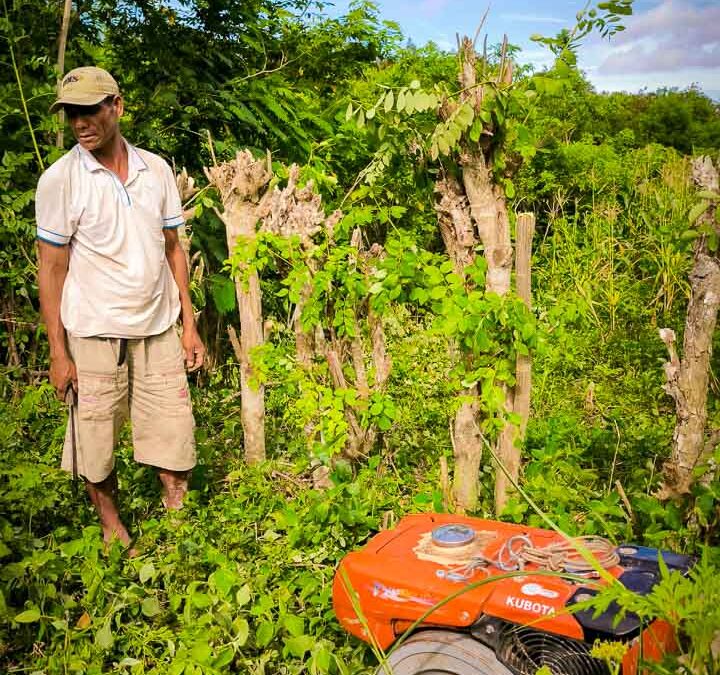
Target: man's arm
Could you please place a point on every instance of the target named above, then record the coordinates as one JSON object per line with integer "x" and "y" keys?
{"x": 53, "y": 262}
{"x": 191, "y": 342}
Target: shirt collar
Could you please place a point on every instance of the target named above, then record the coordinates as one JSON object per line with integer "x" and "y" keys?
{"x": 135, "y": 162}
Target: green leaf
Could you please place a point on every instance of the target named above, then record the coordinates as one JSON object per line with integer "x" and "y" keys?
{"x": 201, "y": 652}
{"x": 104, "y": 637}
{"x": 200, "y": 600}
{"x": 128, "y": 662}
{"x": 242, "y": 597}
{"x": 223, "y": 293}
{"x": 242, "y": 630}
{"x": 712, "y": 242}
{"x": 224, "y": 658}
{"x": 553, "y": 86}
{"x": 509, "y": 189}
{"x": 323, "y": 659}
{"x": 409, "y": 103}
{"x": 223, "y": 580}
{"x": 415, "y": 84}
{"x": 147, "y": 572}
{"x": 443, "y": 146}
{"x": 244, "y": 114}
{"x": 150, "y": 606}
{"x": 4, "y": 550}
{"x": 298, "y": 646}
{"x": 389, "y": 101}
{"x": 384, "y": 423}
{"x": 697, "y": 211}
{"x": 400, "y": 102}
{"x": 294, "y": 625}
{"x": 349, "y": 112}
{"x": 264, "y": 634}
{"x": 562, "y": 69}
{"x": 465, "y": 115}
{"x": 28, "y": 616}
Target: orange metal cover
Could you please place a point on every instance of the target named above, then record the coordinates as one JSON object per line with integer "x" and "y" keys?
{"x": 393, "y": 587}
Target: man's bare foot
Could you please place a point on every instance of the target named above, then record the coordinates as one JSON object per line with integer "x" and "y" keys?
{"x": 174, "y": 488}
{"x": 110, "y": 536}
{"x": 103, "y": 495}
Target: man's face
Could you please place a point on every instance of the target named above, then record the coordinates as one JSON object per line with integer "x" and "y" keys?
{"x": 94, "y": 126}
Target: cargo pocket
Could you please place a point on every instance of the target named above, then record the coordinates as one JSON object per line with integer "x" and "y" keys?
{"x": 166, "y": 395}
{"x": 102, "y": 410}
{"x": 97, "y": 396}
{"x": 163, "y": 423}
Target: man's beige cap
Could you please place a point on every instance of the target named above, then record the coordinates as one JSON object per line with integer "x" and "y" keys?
{"x": 85, "y": 86}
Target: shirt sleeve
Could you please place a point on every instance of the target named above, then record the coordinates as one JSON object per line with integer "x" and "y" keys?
{"x": 172, "y": 207}
{"x": 55, "y": 223}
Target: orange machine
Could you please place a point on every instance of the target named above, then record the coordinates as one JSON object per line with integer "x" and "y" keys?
{"x": 508, "y": 626}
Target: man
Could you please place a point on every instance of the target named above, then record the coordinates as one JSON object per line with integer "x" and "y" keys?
{"x": 113, "y": 281}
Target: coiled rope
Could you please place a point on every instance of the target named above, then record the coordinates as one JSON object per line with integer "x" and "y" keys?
{"x": 517, "y": 551}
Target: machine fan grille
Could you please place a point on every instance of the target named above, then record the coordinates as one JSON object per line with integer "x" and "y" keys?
{"x": 525, "y": 650}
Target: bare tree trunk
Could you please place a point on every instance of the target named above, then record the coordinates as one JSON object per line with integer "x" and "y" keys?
{"x": 235, "y": 342}
{"x": 456, "y": 228}
{"x": 523, "y": 277}
{"x": 304, "y": 342}
{"x": 687, "y": 379}
{"x": 467, "y": 449}
{"x": 488, "y": 210}
{"x": 381, "y": 359}
{"x": 240, "y": 183}
{"x": 476, "y": 206}
{"x": 358, "y": 359}
{"x": 357, "y": 441}
{"x": 517, "y": 399}
{"x": 65, "y": 27}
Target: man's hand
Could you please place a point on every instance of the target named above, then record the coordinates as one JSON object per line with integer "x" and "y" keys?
{"x": 193, "y": 348}
{"x": 63, "y": 374}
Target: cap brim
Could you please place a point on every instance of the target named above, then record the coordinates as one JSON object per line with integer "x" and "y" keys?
{"x": 77, "y": 100}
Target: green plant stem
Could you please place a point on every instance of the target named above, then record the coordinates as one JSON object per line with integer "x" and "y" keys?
{"x": 22, "y": 93}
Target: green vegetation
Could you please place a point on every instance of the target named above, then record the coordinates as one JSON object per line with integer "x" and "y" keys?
{"x": 240, "y": 580}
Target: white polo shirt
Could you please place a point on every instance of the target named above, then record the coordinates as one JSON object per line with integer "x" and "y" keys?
{"x": 119, "y": 283}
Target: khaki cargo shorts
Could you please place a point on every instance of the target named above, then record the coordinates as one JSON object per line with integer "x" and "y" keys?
{"x": 150, "y": 389}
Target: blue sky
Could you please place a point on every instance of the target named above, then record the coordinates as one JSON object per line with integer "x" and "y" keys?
{"x": 667, "y": 43}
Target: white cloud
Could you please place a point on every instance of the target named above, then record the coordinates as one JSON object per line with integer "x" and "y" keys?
{"x": 670, "y": 37}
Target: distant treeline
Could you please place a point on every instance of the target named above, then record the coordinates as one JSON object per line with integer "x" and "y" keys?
{"x": 687, "y": 120}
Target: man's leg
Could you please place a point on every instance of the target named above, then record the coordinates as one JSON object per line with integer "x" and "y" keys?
{"x": 103, "y": 496}
{"x": 174, "y": 488}
{"x": 161, "y": 413}
{"x": 101, "y": 411}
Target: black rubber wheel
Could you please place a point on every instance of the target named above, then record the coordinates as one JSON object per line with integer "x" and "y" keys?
{"x": 437, "y": 652}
